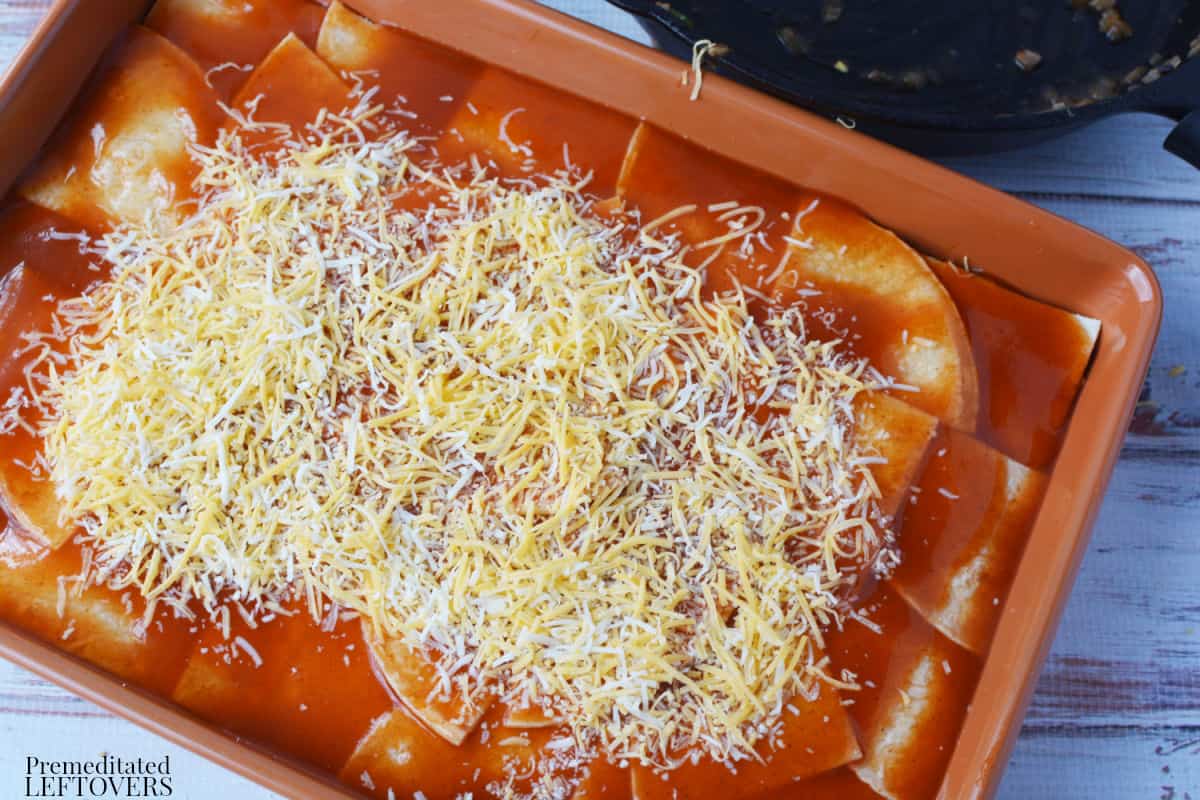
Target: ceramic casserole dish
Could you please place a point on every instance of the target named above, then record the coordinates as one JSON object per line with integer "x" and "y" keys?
{"x": 937, "y": 211}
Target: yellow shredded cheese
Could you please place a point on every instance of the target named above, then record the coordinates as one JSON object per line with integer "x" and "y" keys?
{"x": 494, "y": 422}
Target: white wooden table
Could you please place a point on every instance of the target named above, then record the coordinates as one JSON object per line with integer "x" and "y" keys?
{"x": 1117, "y": 711}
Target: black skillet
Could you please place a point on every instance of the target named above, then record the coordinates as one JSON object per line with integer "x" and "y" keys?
{"x": 941, "y": 78}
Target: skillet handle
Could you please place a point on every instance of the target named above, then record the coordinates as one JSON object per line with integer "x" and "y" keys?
{"x": 1184, "y": 139}
{"x": 1174, "y": 97}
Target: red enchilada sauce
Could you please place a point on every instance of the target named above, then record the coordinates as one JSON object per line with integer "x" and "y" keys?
{"x": 799, "y": 238}
{"x": 311, "y": 689}
{"x": 968, "y": 519}
{"x": 1030, "y": 357}
{"x": 226, "y": 45}
{"x": 308, "y": 689}
{"x": 911, "y": 679}
{"x": 37, "y": 271}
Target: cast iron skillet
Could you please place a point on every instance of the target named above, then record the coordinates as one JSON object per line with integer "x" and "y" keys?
{"x": 939, "y": 77}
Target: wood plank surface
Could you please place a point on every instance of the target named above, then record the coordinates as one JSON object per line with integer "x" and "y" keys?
{"x": 1117, "y": 710}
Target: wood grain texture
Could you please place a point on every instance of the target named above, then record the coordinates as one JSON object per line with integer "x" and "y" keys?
{"x": 1117, "y": 710}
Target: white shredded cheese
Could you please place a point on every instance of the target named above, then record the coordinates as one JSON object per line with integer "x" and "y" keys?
{"x": 487, "y": 421}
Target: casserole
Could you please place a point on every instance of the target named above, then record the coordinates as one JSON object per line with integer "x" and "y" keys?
{"x": 941, "y": 213}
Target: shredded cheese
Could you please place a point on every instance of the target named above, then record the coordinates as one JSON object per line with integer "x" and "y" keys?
{"x": 701, "y": 49}
{"x": 493, "y": 422}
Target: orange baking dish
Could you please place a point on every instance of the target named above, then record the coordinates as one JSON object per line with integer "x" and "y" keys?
{"x": 937, "y": 211}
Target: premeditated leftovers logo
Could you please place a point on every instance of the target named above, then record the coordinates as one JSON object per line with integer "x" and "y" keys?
{"x": 106, "y": 776}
